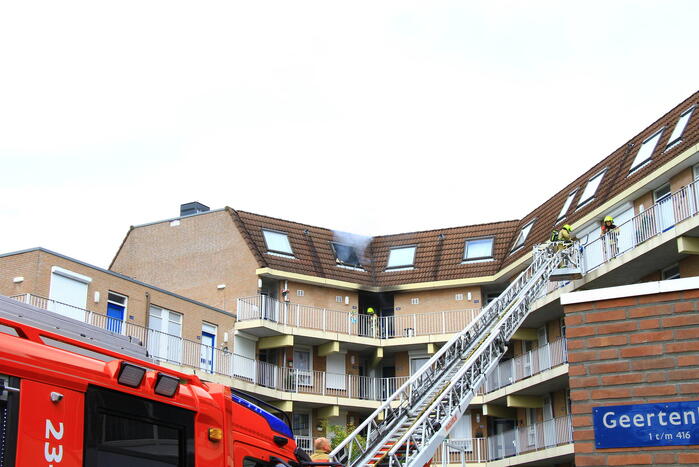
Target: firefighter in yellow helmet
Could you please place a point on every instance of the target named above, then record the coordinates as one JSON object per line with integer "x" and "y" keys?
{"x": 610, "y": 237}
{"x": 565, "y": 239}
{"x": 372, "y": 321}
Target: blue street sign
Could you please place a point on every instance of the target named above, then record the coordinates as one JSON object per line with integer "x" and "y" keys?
{"x": 666, "y": 424}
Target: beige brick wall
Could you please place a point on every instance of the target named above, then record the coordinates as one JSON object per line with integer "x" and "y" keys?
{"x": 322, "y": 297}
{"x": 36, "y": 267}
{"x": 437, "y": 300}
{"x": 632, "y": 350}
{"x": 192, "y": 259}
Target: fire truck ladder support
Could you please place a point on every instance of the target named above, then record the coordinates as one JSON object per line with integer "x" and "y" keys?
{"x": 408, "y": 428}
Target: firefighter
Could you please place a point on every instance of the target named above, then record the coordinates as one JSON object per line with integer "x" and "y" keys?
{"x": 610, "y": 237}
{"x": 372, "y": 321}
{"x": 321, "y": 448}
{"x": 565, "y": 239}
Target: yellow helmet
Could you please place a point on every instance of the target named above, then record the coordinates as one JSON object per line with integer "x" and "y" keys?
{"x": 370, "y": 310}
{"x": 568, "y": 227}
{"x": 609, "y": 219}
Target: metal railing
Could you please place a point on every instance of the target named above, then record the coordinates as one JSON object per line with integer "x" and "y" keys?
{"x": 262, "y": 307}
{"x": 535, "y": 437}
{"x": 177, "y": 350}
{"x": 461, "y": 451}
{"x": 535, "y": 361}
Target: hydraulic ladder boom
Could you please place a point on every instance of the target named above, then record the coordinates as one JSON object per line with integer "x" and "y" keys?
{"x": 407, "y": 429}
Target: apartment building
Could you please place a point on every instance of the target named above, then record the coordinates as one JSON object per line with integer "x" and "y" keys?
{"x": 174, "y": 329}
{"x": 328, "y": 324}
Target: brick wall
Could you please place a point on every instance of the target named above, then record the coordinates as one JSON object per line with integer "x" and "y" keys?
{"x": 632, "y": 350}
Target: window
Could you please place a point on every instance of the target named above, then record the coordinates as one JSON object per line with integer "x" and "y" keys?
{"x": 300, "y": 293}
{"x": 68, "y": 291}
{"x": 646, "y": 151}
{"x": 566, "y": 206}
{"x": 459, "y": 296}
{"x": 277, "y": 242}
{"x": 676, "y": 136}
{"x": 338, "y": 298}
{"x": 522, "y": 237}
{"x": 345, "y": 254}
{"x": 481, "y": 248}
{"x": 122, "y": 429}
{"x": 414, "y": 301}
{"x": 590, "y": 189}
{"x": 673, "y": 272}
{"x": 116, "y": 310}
{"x": 401, "y": 257}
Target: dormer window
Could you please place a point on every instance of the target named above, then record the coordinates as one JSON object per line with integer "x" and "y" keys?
{"x": 566, "y": 206}
{"x": 646, "y": 151}
{"x": 676, "y": 136}
{"x": 590, "y": 189}
{"x": 522, "y": 237}
{"x": 345, "y": 254}
{"x": 478, "y": 249}
{"x": 401, "y": 257}
{"x": 277, "y": 242}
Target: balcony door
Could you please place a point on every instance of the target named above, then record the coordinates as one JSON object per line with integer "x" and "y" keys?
{"x": 335, "y": 368}
{"x": 549, "y": 423}
{"x": 666, "y": 214}
{"x": 303, "y": 366}
{"x": 544, "y": 349}
{"x": 208, "y": 344}
{"x": 165, "y": 334}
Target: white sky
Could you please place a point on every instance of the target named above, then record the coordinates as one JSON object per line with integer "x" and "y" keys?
{"x": 367, "y": 116}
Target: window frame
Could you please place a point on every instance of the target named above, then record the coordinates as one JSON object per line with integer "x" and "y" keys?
{"x": 566, "y": 205}
{"x": 401, "y": 266}
{"x": 517, "y": 245}
{"x": 279, "y": 252}
{"x": 585, "y": 201}
{"x": 358, "y": 264}
{"x": 466, "y": 259}
{"x": 676, "y": 275}
{"x": 637, "y": 163}
{"x": 672, "y": 142}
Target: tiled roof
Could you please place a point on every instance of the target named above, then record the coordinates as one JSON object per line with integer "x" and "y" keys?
{"x": 616, "y": 178}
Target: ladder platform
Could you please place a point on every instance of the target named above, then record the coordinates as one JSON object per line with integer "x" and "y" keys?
{"x": 565, "y": 274}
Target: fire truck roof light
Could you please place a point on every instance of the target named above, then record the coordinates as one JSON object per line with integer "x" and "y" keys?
{"x": 166, "y": 385}
{"x": 130, "y": 375}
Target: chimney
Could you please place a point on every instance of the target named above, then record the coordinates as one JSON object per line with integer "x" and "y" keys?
{"x": 195, "y": 207}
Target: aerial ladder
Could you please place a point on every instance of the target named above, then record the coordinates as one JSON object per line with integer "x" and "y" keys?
{"x": 410, "y": 425}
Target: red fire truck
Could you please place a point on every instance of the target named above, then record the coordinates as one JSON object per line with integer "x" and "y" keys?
{"x": 68, "y": 403}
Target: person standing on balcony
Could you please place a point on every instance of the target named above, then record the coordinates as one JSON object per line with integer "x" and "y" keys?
{"x": 610, "y": 237}
{"x": 321, "y": 450}
{"x": 564, "y": 240}
{"x": 372, "y": 321}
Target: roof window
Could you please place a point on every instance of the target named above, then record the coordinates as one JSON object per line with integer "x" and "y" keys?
{"x": 345, "y": 254}
{"x": 676, "y": 136}
{"x": 277, "y": 242}
{"x": 590, "y": 189}
{"x": 478, "y": 249}
{"x": 646, "y": 151}
{"x": 566, "y": 205}
{"x": 522, "y": 237}
{"x": 401, "y": 257}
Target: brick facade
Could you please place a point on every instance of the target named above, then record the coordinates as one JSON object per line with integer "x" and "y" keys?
{"x": 632, "y": 350}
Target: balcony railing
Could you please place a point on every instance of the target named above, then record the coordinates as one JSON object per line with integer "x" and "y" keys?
{"x": 523, "y": 366}
{"x": 520, "y": 440}
{"x": 262, "y": 307}
{"x": 177, "y": 350}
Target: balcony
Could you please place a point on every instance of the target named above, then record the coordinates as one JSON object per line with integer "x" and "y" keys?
{"x": 523, "y": 366}
{"x": 294, "y": 315}
{"x": 175, "y": 350}
{"x": 551, "y": 440}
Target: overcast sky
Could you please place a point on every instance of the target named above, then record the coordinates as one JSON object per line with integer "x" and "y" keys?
{"x": 371, "y": 117}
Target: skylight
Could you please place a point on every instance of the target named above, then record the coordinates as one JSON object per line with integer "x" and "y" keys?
{"x": 345, "y": 254}
{"x": 401, "y": 257}
{"x": 676, "y": 135}
{"x": 590, "y": 189}
{"x": 277, "y": 242}
{"x": 477, "y": 249}
{"x": 646, "y": 151}
{"x": 522, "y": 237}
{"x": 566, "y": 206}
